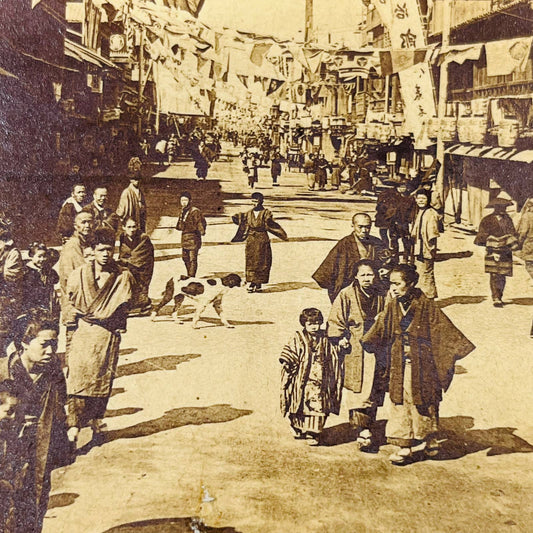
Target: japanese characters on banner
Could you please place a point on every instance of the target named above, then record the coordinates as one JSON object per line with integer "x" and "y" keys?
{"x": 418, "y": 98}
{"x": 402, "y": 19}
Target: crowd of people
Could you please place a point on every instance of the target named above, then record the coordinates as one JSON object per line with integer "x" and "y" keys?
{"x": 385, "y": 337}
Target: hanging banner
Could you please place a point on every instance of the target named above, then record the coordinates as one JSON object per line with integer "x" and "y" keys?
{"x": 418, "y": 98}
{"x": 402, "y": 19}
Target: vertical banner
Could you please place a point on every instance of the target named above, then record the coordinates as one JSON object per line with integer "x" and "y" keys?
{"x": 417, "y": 95}
{"x": 402, "y": 19}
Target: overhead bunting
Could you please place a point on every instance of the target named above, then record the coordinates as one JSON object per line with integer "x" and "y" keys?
{"x": 274, "y": 86}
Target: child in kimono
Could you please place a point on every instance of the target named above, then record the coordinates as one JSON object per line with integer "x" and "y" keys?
{"x": 311, "y": 381}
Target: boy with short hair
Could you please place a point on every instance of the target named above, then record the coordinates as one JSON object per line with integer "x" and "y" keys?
{"x": 311, "y": 381}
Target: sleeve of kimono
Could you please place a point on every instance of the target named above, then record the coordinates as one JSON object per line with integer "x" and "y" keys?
{"x": 13, "y": 267}
{"x": 337, "y": 320}
{"x": 122, "y": 207}
{"x": 374, "y": 340}
{"x": 523, "y": 228}
{"x": 273, "y": 227}
{"x": 202, "y": 223}
{"x": 65, "y": 225}
{"x": 482, "y": 234}
{"x": 291, "y": 354}
{"x": 433, "y": 226}
{"x": 326, "y": 274}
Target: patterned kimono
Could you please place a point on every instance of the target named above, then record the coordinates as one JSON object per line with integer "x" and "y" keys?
{"x": 311, "y": 381}
{"x": 254, "y": 226}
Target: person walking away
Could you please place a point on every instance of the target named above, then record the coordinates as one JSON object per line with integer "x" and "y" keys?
{"x": 321, "y": 171}
{"x": 192, "y": 225}
{"x": 11, "y": 279}
{"x": 311, "y": 383}
{"x": 275, "y": 168}
{"x": 38, "y": 285}
{"x": 136, "y": 253}
{"x": 100, "y": 295}
{"x": 424, "y": 233}
{"x": 250, "y": 162}
{"x": 132, "y": 203}
{"x": 497, "y": 233}
{"x": 338, "y": 268}
{"x": 421, "y": 346}
{"x": 352, "y": 314}
{"x": 385, "y": 210}
{"x": 254, "y": 226}
{"x": 336, "y": 169}
{"x": 309, "y": 169}
{"x": 401, "y": 223}
{"x": 70, "y": 208}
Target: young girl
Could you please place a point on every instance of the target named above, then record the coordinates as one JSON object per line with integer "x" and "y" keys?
{"x": 311, "y": 381}
{"x": 40, "y": 278}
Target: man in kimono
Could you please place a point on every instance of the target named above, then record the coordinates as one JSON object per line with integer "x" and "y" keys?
{"x": 254, "y": 226}
{"x": 352, "y": 314}
{"x": 424, "y": 234}
{"x": 421, "y": 346}
{"x": 103, "y": 216}
{"x": 72, "y": 256}
{"x": 192, "y": 225}
{"x": 132, "y": 202}
{"x": 70, "y": 208}
{"x": 497, "y": 233}
{"x": 338, "y": 269}
{"x": 36, "y": 371}
{"x": 136, "y": 253}
{"x": 99, "y": 294}
{"x": 11, "y": 280}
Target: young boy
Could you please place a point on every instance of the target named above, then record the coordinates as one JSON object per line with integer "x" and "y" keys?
{"x": 311, "y": 381}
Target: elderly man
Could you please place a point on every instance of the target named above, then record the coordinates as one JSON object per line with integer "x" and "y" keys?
{"x": 132, "y": 203}
{"x": 339, "y": 268}
{"x": 70, "y": 208}
{"x": 103, "y": 216}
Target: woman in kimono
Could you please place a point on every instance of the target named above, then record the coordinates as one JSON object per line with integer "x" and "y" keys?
{"x": 420, "y": 345}
{"x": 497, "y": 233}
{"x": 352, "y": 314}
{"x": 311, "y": 382}
{"x": 136, "y": 253}
{"x": 254, "y": 226}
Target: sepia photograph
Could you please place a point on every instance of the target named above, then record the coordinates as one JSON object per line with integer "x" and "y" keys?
{"x": 266, "y": 266}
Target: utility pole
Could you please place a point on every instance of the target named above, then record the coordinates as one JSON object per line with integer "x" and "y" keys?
{"x": 443, "y": 93}
{"x": 141, "y": 85}
{"x": 309, "y": 21}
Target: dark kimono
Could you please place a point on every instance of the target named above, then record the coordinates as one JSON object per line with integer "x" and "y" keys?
{"x": 38, "y": 289}
{"x": 338, "y": 269}
{"x": 254, "y": 228}
{"x": 498, "y": 234}
{"x": 132, "y": 204}
{"x": 192, "y": 225}
{"x": 44, "y": 443}
{"x": 137, "y": 255}
{"x": 311, "y": 379}
{"x": 65, "y": 219}
{"x": 11, "y": 275}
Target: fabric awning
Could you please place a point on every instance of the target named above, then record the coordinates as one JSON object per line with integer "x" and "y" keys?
{"x": 84, "y": 54}
{"x": 491, "y": 152}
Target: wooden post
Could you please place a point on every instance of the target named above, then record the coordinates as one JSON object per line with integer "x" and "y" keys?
{"x": 308, "y": 21}
{"x": 141, "y": 87}
{"x": 443, "y": 93}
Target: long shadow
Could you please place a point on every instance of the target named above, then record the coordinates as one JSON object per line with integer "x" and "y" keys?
{"x": 215, "y": 322}
{"x": 176, "y": 418}
{"x": 522, "y": 301}
{"x": 127, "y": 351}
{"x": 111, "y": 413}
{"x": 163, "y": 362}
{"x": 462, "y": 440}
{"x": 170, "y": 525}
{"x": 345, "y": 433}
{"x": 460, "y": 300}
{"x": 445, "y": 256}
{"x": 117, "y": 390}
{"x": 63, "y": 499}
{"x": 291, "y": 286}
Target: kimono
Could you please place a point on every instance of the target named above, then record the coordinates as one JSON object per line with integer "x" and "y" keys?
{"x": 275, "y": 169}
{"x": 498, "y": 257}
{"x": 93, "y": 355}
{"x": 11, "y": 275}
{"x": 67, "y": 214}
{"x": 352, "y": 314}
{"x": 38, "y": 289}
{"x": 421, "y": 346}
{"x": 192, "y": 225}
{"x": 311, "y": 380}
{"x": 254, "y": 228}
{"x": 103, "y": 218}
{"x": 132, "y": 204}
{"x": 321, "y": 172}
{"x": 43, "y": 444}
{"x": 337, "y": 270}
{"x": 336, "y": 169}
{"x": 137, "y": 255}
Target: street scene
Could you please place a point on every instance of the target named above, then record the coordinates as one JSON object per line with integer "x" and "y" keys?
{"x": 266, "y": 266}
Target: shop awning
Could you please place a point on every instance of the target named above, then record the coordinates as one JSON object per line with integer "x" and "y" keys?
{"x": 84, "y": 54}
{"x": 491, "y": 152}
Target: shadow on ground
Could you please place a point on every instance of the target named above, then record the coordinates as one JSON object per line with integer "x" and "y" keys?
{"x": 453, "y": 255}
{"x": 169, "y": 525}
{"x": 345, "y": 433}
{"x": 63, "y": 499}
{"x": 175, "y": 418}
{"x": 127, "y": 351}
{"x": 460, "y": 300}
{"x": 163, "y": 362}
{"x": 290, "y": 286}
{"x": 522, "y": 301}
{"x": 462, "y": 440}
{"x": 111, "y": 413}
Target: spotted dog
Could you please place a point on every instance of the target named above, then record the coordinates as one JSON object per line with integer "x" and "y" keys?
{"x": 202, "y": 291}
